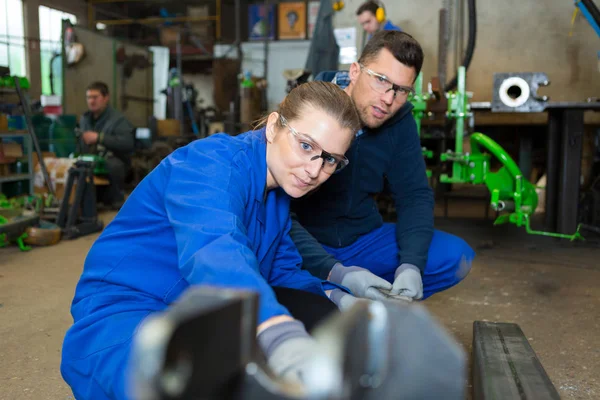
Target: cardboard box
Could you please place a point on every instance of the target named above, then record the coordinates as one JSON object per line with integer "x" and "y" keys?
{"x": 202, "y": 29}
{"x": 10, "y": 151}
{"x": 168, "y": 36}
{"x": 168, "y": 127}
{"x": 3, "y": 123}
{"x": 58, "y": 170}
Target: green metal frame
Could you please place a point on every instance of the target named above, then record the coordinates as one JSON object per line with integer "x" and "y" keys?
{"x": 510, "y": 190}
{"x": 419, "y": 102}
{"x": 20, "y": 240}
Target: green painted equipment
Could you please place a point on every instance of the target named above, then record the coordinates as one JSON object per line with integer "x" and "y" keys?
{"x": 419, "y": 102}
{"x": 510, "y": 191}
{"x": 97, "y": 161}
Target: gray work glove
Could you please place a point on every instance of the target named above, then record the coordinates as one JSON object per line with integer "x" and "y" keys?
{"x": 342, "y": 299}
{"x": 288, "y": 349}
{"x": 408, "y": 282}
{"x": 360, "y": 281}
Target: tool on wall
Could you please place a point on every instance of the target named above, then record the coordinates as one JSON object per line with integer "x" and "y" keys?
{"x": 129, "y": 63}
{"x": 74, "y": 51}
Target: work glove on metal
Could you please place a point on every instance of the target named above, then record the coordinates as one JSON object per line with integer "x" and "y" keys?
{"x": 288, "y": 349}
{"x": 342, "y": 299}
{"x": 408, "y": 282}
{"x": 361, "y": 282}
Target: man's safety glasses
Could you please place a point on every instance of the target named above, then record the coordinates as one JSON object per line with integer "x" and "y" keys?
{"x": 306, "y": 148}
{"x": 381, "y": 84}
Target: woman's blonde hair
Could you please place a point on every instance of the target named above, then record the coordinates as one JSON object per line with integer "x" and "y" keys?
{"x": 324, "y": 96}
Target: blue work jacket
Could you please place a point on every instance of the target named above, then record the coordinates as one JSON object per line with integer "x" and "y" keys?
{"x": 201, "y": 217}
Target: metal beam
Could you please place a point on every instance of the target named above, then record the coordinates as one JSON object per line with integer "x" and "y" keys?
{"x": 154, "y": 20}
{"x": 113, "y": 1}
{"x": 505, "y": 366}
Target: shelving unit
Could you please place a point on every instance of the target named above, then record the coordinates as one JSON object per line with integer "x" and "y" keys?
{"x": 30, "y": 142}
{"x": 28, "y": 146}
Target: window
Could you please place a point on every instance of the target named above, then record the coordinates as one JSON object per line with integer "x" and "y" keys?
{"x": 50, "y": 45}
{"x": 12, "y": 43}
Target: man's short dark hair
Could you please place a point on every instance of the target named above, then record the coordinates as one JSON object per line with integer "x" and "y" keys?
{"x": 402, "y": 45}
{"x": 99, "y": 86}
{"x": 370, "y": 6}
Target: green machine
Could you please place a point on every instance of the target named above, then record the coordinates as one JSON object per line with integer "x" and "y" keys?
{"x": 14, "y": 222}
{"x": 419, "y": 102}
{"x": 510, "y": 191}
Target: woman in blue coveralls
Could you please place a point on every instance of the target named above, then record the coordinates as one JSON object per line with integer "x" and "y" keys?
{"x": 215, "y": 212}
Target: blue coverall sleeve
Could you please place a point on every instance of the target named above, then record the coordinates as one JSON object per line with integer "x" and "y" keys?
{"x": 205, "y": 199}
{"x": 407, "y": 177}
{"x": 287, "y": 271}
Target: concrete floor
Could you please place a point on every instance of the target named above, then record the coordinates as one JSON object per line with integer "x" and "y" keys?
{"x": 549, "y": 288}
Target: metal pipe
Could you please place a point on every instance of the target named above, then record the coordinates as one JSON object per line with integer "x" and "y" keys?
{"x": 552, "y": 160}
{"x": 178, "y": 92}
{"x": 238, "y": 23}
{"x": 268, "y": 31}
{"x": 91, "y": 22}
{"x": 218, "y": 21}
{"x": 443, "y": 48}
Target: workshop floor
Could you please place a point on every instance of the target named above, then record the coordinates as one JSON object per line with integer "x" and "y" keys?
{"x": 550, "y": 288}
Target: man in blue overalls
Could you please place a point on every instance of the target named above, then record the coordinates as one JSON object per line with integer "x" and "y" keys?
{"x": 338, "y": 229}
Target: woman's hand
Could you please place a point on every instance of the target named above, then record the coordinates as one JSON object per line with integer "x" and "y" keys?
{"x": 289, "y": 349}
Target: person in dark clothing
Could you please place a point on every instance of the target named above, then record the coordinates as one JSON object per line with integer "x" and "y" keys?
{"x": 107, "y": 132}
{"x": 371, "y": 16}
{"x": 338, "y": 229}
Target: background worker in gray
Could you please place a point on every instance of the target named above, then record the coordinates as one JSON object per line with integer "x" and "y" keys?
{"x": 108, "y": 133}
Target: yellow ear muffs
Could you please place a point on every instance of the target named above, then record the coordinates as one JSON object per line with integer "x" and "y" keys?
{"x": 338, "y": 5}
{"x": 380, "y": 15}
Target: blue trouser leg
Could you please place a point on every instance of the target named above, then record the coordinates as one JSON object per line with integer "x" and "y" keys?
{"x": 449, "y": 258}
{"x": 95, "y": 355}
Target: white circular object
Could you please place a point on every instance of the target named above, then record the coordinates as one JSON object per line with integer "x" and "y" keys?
{"x": 507, "y": 84}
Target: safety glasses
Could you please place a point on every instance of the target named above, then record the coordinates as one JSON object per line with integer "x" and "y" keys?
{"x": 308, "y": 149}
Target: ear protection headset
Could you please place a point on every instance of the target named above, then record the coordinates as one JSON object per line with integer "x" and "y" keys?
{"x": 380, "y": 13}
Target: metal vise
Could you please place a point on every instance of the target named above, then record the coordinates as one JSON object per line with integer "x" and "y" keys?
{"x": 204, "y": 347}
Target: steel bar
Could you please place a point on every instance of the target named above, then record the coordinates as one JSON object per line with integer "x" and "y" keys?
{"x": 505, "y": 365}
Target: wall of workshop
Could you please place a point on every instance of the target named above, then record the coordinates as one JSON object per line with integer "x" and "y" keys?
{"x": 282, "y": 55}
{"x": 99, "y": 64}
{"x": 32, "y": 31}
{"x": 512, "y": 36}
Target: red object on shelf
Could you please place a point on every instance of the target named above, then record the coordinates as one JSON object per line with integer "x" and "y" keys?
{"x": 53, "y": 110}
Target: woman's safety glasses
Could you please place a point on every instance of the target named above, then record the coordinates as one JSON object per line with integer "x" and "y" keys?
{"x": 306, "y": 148}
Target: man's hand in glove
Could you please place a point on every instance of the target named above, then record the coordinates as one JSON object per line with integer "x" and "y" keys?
{"x": 408, "y": 282}
{"x": 360, "y": 281}
{"x": 288, "y": 349}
